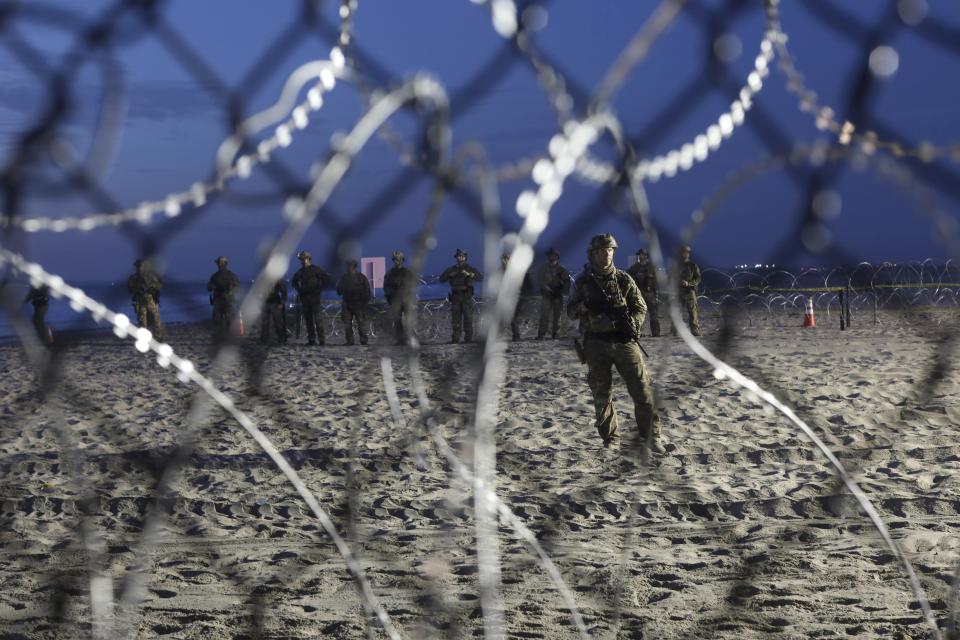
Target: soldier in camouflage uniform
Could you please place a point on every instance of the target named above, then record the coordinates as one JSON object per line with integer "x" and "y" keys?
{"x": 144, "y": 288}
{"x": 397, "y": 286}
{"x": 554, "y": 280}
{"x": 39, "y": 297}
{"x": 523, "y": 300}
{"x": 610, "y": 309}
{"x": 688, "y": 279}
{"x": 222, "y": 286}
{"x": 461, "y": 277}
{"x": 355, "y": 289}
{"x": 309, "y": 281}
{"x": 275, "y": 313}
{"x": 644, "y": 274}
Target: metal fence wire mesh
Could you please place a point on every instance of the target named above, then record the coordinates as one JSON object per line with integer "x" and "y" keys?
{"x": 185, "y": 487}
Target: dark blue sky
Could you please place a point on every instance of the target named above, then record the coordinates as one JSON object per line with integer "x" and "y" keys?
{"x": 173, "y": 125}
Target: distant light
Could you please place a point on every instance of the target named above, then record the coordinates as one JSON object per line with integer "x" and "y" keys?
{"x": 884, "y": 61}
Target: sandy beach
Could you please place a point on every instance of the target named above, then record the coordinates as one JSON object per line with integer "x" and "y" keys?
{"x": 742, "y": 530}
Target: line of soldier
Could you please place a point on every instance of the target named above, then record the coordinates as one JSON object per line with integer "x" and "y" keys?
{"x": 609, "y": 304}
{"x": 144, "y": 286}
{"x": 553, "y": 281}
{"x": 39, "y": 298}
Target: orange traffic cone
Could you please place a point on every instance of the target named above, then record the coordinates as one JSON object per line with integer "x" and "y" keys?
{"x": 808, "y": 318}
{"x": 241, "y": 330}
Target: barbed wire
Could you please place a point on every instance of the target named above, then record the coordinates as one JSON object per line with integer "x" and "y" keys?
{"x": 582, "y": 119}
{"x": 882, "y": 62}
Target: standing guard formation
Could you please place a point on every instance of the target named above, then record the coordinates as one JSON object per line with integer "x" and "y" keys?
{"x": 309, "y": 281}
{"x": 39, "y": 298}
{"x": 398, "y": 285}
{"x": 644, "y": 274}
{"x": 355, "y": 289}
{"x": 610, "y": 310}
{"x": 609, "y": 305}
{"x": 275, "y": 313}
{"x": 461, "y": 277}
{"x": 554, "y": 283}
{"x": 526, "y": 290}
{"x": 144, "y": 288}
{"x": 688, "y": 279}
{"x": 222, "y": 286}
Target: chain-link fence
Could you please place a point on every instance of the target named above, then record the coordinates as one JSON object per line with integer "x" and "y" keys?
{"x": 444, "y": 491}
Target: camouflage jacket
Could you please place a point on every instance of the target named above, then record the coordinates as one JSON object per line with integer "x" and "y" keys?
{"x": 527, "y": 287}
{"x": 310, "y": 281}
{"x": 397, "y": 283}
{"x": 645, "y": 277}
{"x": 38, "y": 296}
{"x": 690, "y": 272}
{"x": 598, "y": 297}
{"x": 554, "y": 280}
{"x": 223, "y": 283}
{"x": 461, "y": 278}
{"x": 278, "y": 294}
{"x": 143, "y": 285}
{"x": 355, "y": 289}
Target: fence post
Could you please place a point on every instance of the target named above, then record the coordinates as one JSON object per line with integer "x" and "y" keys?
{"x": 843, "y": 326}
{"x": 849, "y": 295}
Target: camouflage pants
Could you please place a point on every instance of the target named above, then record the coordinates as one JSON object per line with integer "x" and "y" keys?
{"x": 148, "y": 315}
{"x": 312, "y": 311}
{"x": 652, "y": 312}
{"x": 522, "y": 303}
{"x": 461, "y": 315}
{"x": 222, "y": 314}
{"x": 687, "y": 298}
{"x": 39, "y": 321}
{"x": 398, "y": 316}
{"x": 348, "y": 314}
{"x": 273, "y": 314}
{"x": 550, "y": 308}
{"x": 601, "y": 355}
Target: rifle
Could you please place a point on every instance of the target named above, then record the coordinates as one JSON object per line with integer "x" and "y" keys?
{"x": 618, "y": 314}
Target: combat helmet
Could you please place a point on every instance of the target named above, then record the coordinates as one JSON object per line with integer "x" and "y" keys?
{"x": 603, "y": 241}
{"x": 460, "y": 252}
{"x": 398, "y": 255}
{"x": 221, "y": 259}
{"x": 552, "y": 252}
{"x": 304, "y": 255}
